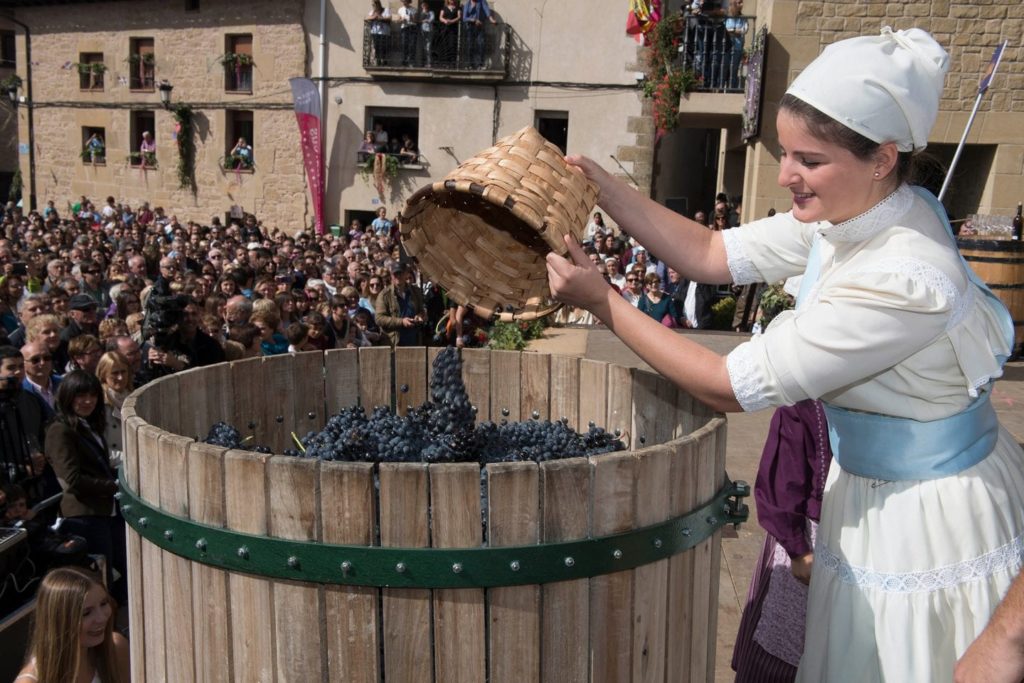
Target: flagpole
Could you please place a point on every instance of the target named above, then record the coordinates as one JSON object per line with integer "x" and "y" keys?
{"x": 986, "y": 79}
{"x": 960, "y": 147}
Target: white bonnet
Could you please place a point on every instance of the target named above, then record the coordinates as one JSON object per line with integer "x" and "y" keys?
{"x": 885, "y": 87}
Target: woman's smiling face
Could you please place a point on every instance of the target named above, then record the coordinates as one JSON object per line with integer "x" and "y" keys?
{"x": 828, "y": 182}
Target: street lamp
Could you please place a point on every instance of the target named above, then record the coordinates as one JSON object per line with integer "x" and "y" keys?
{"x": 11, "y": 89}
{"x": 165, "y": 93}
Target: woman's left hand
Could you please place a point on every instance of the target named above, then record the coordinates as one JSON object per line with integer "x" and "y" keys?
{"x": 575, "y": 280}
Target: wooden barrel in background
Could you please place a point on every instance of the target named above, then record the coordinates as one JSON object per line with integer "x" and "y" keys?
{"x": 1000, "y": 264}
{"x": 194, "y": 620}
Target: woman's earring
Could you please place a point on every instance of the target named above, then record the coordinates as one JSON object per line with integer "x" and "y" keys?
{"x": 876, "y": 174}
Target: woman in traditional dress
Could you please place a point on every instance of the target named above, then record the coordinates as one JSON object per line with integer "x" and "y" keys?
{"x": 922, "y": 523}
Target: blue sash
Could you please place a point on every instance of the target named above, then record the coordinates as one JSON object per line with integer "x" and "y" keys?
{"x": 893, "y": 448}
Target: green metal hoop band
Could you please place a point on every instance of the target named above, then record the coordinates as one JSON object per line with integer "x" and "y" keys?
{"x": 390, "y": 567}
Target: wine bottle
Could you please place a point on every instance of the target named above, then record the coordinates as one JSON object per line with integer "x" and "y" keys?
{"x": 1018, "y": 222}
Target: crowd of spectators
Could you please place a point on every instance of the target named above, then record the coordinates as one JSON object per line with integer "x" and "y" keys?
{"x": 126, "y": 295}
{"x": 649, "y": 284}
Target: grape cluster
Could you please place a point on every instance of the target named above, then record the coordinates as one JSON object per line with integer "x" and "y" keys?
{"x": 224, "y": 435}
{"x": 443, "y": 429}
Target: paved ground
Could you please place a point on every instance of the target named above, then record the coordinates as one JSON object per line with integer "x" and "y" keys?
{"x": 746, "y": 435}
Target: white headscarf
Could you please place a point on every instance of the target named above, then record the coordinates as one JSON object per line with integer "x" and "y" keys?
{"x": 885, "y": 87}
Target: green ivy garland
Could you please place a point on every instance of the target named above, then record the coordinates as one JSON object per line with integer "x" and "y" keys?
{"x": 186, "y": 148}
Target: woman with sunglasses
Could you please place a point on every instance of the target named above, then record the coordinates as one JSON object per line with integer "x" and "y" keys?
{"x": 634, "y": 288}
{"x": 654, "y": 302}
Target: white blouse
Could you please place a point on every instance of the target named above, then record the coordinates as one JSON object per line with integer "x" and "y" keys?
{"x": 891, "y": 326}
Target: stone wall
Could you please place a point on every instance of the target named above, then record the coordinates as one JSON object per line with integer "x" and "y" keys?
{"x": 970, "y": 30}
{"x": 187, "y": 46}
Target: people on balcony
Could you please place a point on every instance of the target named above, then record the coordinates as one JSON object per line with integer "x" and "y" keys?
{"x": 713, "y": 46}
{"x": 95, "y": 148}
{"x": 241, "y": 154}
{"x": 379, "y": 19}
{"x": 426, "y": 20}
{"x": 368, "y": 148}
{"x": 408, "y": 21}
{"x": 408, "y": 154}
{"x": 735, "y": 30}
{"x": 448, "y": 43}
{"x": 380, "y": 137}
{"x": 474, "y": 14}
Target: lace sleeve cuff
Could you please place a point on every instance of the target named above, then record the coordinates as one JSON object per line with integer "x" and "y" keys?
{"x": 740, "y": 266}
{"x": 743, "y": 376}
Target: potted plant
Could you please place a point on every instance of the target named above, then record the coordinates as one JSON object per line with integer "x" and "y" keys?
{"x": 146, "y": 160}
{"x": 235, "y": 62}
{"x": 145, "y": 62}
{"x": 236, "y": 162}
{"x": 665, "y": 80}
{"x": 94, "y": 71}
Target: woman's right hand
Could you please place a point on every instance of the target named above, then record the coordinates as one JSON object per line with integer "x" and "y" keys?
{"x": 575, "y": 280}
{"x": 592, "y": 170}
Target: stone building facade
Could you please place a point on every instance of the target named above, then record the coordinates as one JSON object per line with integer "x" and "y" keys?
{"x": 568, "y": 62}
{"x": 70, "y": 100}
{"x": 989, "y": 177}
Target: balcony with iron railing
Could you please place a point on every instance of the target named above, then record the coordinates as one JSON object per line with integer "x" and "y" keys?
{"x": 458, "y": 51}
{"x": 715, "y": 49}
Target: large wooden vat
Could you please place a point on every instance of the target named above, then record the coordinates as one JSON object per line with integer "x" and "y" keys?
{"x": 1000, "y": 264}
{"x": 241, "y": 608}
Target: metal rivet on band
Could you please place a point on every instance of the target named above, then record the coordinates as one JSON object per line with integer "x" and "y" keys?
{"x": 686, "y": 531}
{"x": 126, "y": 508}
{"x": 400, "y": 567}
{"x": 569, "y": 562}
{"x": 514, "y": 565}
{"x": 657, "y": 543}
{"x": 243, "y": 553}
{"x": 457, "y": 568}
{"x": 712, "y": 520}
{"x": 169, "y": 535}
{"x": 293, "y": 562}
{"x": 143, "y": 522}
{"x": 201, "y": 545}
{"x": 346, "y": 567}
{"x": 617, "y": 554}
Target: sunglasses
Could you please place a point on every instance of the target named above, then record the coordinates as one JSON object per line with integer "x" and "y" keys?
{"x": 36, "y": 360}
{"x": 632, "y": 279}
{"x": 92, "y": 272}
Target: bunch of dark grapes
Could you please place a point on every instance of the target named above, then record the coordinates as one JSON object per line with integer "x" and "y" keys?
{"x": 224, "y": 435}
{"x": 443, "y": 429}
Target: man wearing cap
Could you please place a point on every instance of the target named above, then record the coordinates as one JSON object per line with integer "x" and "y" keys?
{"x": 400, "y": 308}
{"x": 82, "y": 317}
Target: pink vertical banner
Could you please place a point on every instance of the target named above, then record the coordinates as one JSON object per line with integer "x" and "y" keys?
{"x": 307, "y": 113}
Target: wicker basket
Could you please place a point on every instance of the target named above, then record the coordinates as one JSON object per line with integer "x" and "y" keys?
{"x": 482, "y": 233}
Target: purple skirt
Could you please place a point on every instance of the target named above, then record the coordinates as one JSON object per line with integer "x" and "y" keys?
{"x": 751, "y": 662}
